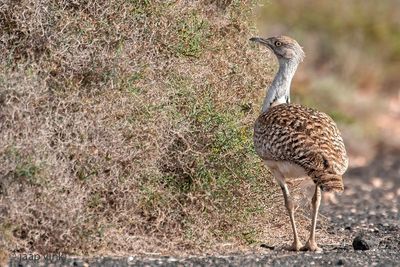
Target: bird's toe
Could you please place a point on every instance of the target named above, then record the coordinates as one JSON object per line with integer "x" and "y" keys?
{"x": 296, "y": 246}
{"x": 311, "y": 246}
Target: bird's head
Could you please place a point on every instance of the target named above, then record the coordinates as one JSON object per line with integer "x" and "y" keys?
{"x": 284, "y": 47}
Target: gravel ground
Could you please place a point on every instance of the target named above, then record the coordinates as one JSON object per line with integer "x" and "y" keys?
{"x": 369, "y": 209}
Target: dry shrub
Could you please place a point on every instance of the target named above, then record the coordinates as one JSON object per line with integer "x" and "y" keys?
{"x": 126, "y": 127}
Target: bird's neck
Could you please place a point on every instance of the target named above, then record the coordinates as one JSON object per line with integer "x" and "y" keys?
{"x": 279, "y": 91}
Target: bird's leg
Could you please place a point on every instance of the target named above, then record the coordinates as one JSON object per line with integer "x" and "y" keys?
{"x": 290, "y": 207}
{"x": 316, "y": 201}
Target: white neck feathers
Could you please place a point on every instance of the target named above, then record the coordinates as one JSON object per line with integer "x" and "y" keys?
{"x": 279, "y": 91}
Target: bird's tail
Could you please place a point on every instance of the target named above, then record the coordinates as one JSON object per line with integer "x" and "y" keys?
{"x": 328, "y": 182}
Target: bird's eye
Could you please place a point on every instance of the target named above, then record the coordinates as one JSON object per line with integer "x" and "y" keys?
{"x": 277, "y": 43}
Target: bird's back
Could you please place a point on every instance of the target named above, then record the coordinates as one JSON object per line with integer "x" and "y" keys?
{"x": 305, "y": 137}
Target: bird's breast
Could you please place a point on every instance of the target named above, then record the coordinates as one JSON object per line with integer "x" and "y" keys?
{"x": 288, "y": 169}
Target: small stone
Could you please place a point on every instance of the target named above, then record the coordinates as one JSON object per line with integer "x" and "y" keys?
{"x": 267, "y": 246}
{"x": 340, "y": 262}
{"x": 360, "y": 243}
{"x": 389, "y": 196}
{"x": 377, "y": 182}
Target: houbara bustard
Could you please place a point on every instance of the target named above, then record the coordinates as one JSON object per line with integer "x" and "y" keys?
{"x": 296, "y": 141}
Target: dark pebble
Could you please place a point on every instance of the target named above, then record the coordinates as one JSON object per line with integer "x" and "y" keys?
{"x": 359, "y": 243}
{"x": 267, "y": 246}
{"x": 340, "y": 262}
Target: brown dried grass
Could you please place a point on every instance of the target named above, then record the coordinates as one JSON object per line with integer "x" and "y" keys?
{"x": 126, "y": 128}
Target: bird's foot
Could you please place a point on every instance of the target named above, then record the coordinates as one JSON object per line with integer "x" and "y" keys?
{"x": 311, "y": 246}
{"x": 296, "y": 246}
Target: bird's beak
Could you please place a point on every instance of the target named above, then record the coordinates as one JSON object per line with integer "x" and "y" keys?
{"x": 261, "y": 41}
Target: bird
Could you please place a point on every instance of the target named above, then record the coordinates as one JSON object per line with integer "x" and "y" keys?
{"x": 296, "y": 141}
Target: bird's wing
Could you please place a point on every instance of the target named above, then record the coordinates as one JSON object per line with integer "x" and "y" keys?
{"x": 303, "y": 136}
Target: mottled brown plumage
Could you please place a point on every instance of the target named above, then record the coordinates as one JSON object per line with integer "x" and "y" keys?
{"x": 305, "y": 137}
{"x": 296, "y": 141}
